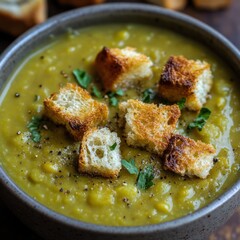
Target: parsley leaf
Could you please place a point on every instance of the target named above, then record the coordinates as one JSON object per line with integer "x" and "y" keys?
{"x": 130, "y": 166}
{"x": 148, "y": 95}
{"x": 181, "y": 103}
{"x": 201, "y": 119}
{"x": 112, "y": 97}
{"x": 113, "y": 146}
{"x": 120, "y": 92}
{"x": 82, "y": 78}
{"x": 36, "y": 98}
{"x": 113, "y": 101}
{"x": 96, "y": 92}
{"x": 145, "y": 177}
{"x": 33, "y": 127}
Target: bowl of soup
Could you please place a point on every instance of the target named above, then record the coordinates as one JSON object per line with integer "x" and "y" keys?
{"x": 39, "y": 173}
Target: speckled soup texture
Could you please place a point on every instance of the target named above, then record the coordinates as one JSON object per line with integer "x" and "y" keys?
{"x": 47, "y": 171}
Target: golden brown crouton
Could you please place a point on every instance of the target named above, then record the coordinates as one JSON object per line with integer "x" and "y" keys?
{"x": 183, "y": 78}
{"x": 211, "y": 5}
{"x": 16, "y": 17}
{"x": 73, "y": 107}
{"x": 148, "y": 125}
{"x": 100, "y": 153}
{"x": 171, "y": 4}
{"x": 122, "y": 68}
{"x": 188, "y": 157}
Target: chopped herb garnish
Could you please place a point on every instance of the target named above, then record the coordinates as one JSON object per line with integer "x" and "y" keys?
{"x": 145, "y": 177}
{"x": 33, "y": 127}
{"x": 96, "y": 92}
{"x": 120, "y": 92}
{"x": 113, "y": 101}
{"x": 113, "y": 146}
{"x": 82, "y": 78}
{"x": 165, "y": 101}
{"x": 112, "y": 97}
{"x": 201, "y": 119}
{"x": 130, "y": 166}
{"x": 148, "y": 95}
{"x": 36, "y": 98}
{"x": 181, "y": 103}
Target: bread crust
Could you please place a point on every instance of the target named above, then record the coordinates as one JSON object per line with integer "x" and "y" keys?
{"x": 171, "y": 4}
{"x": 30, "y": 14}
{"x": 148, "y": 125}
{"x": 122, "y": 68}
{"x": 92, "y": 169}
{"x": 88, "y": 114}
{"x": 185, "y": 156}
{"x": 183, "y": 78}
{"x": 80, "y": 3}
{"x": 211, "y": 5}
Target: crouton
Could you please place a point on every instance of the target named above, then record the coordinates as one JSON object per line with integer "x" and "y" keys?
{"x": 122, "y": 68}
{"x": 148, "y": 125}
{"x": 80, "y": 3}
{"x": 100, "y": 153}
{"x": 171, "y": 4}
{"x": 211, "y": 5}
{"x": 185, "y": 156}
{"x": 183, "y": 78}
{"x": 18, "y": 16}
{"x": 74, "y": 108}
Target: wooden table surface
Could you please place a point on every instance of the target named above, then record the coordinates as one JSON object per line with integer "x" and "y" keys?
{"x": 227, "y": 22}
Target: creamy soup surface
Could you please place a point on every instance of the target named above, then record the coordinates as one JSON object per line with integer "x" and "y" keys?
{"x": 47, "y": 170}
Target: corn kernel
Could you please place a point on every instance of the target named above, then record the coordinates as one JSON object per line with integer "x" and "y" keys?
{"x": 122, "y": 35}
{"x": 100, "y": 197}
{"x": 127, "y": 192}
{"x": 36, "y": 176}
{"x": 163, "y": 207}
{"x": 49, "y": 167}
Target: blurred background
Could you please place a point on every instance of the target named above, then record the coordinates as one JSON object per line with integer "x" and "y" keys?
{"x": 222, "y": 15}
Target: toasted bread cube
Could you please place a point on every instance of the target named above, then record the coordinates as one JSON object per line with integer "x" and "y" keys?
{"x": 148, "y": 125}
{"x": 100, "y": 153}
{"x": 183, "y": 78}
{"x": 122, "y": 68}
{"x": 80, "y": 3}
{"x": 185, "y": 156}
{"x": 74, "y": 108}
{"x": 171, "y": 4}
{"x": 211, "y": 5}
{"x": 17, "y": 16}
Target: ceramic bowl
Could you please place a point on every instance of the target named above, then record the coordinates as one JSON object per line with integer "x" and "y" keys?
{"x": 51, "y": 225}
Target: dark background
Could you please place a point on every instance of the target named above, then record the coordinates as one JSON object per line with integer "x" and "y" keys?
{"x": 227, "y": 22}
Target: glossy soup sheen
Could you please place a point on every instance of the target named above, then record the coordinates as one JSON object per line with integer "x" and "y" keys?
{"x": 47, "y": 170}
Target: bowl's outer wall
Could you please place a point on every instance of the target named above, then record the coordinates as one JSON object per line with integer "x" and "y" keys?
{"x": 51, "y": 225}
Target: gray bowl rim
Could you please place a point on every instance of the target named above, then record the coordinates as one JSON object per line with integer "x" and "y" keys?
{"x": 90, "y": 227}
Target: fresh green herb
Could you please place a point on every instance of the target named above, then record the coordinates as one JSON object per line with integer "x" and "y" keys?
{"x": 112, "y": 97}
{"x": 33, "y": 127}
{"x": 120, "y": 92}
{"x": 130, "y": 166}
{"x": 148, "y": 95}
{"x": 96, "y": 92}
{"x": 82, "y": 78}
{"x": 36, "y": 98}
{"x": 113, "y": 101}
{"x": 165, "y": 101}
{"x": 111, "y": 94}
{"x": 145, "y": 177}
{"x": 113, "y": 146}
{"x": 201, "y": 119}
{"x": 181, "y": 103}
